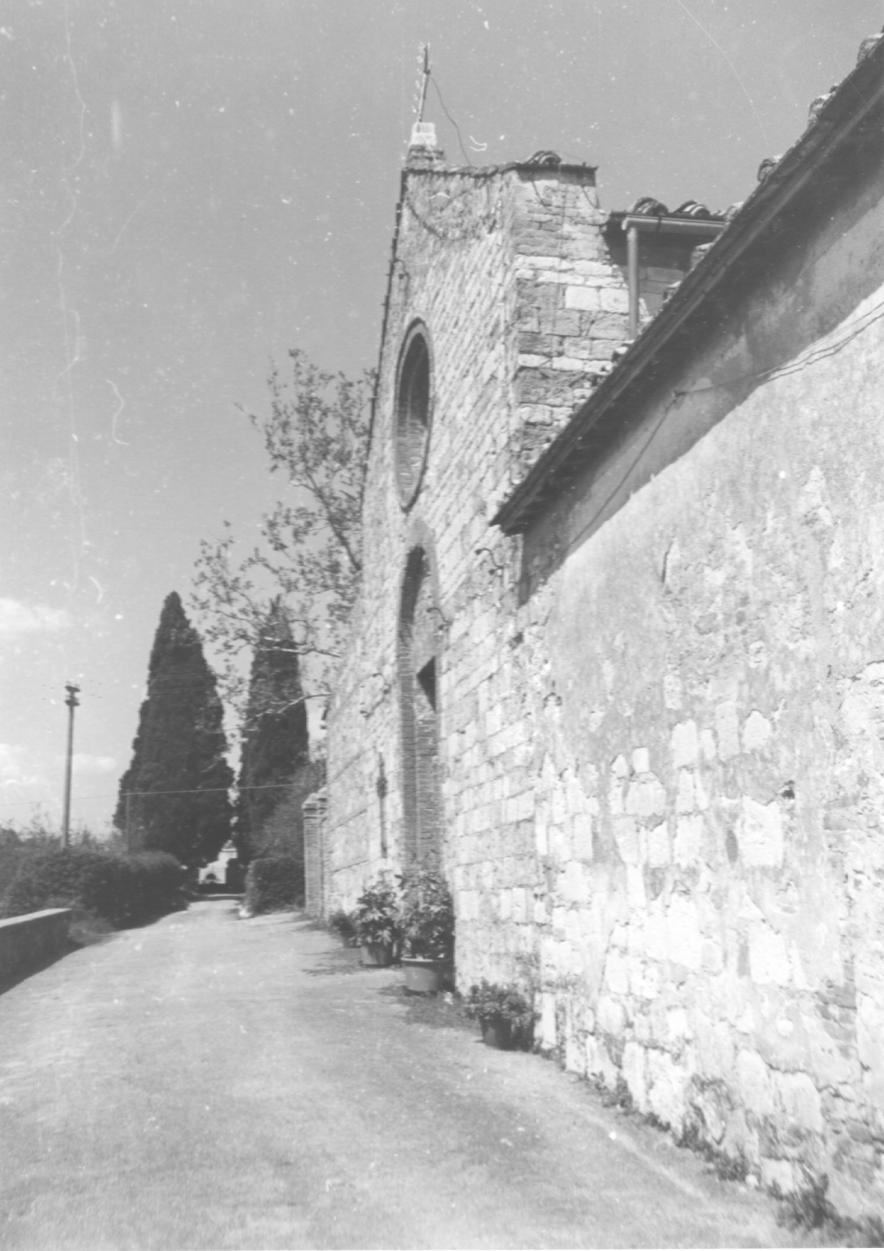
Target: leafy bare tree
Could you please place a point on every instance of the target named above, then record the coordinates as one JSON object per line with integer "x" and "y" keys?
{"x": 316, "y": 437}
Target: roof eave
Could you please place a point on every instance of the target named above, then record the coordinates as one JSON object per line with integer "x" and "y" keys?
{"x": 856, "y": 96}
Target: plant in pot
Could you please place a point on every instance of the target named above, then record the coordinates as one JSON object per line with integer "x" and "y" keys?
{"x": 506, "y": 1017}
{"x": 376, "y": 917}
{"x": 427, "y": 921}
{"x": 344, "y": 926}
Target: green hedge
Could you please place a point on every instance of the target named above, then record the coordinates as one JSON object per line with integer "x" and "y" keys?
{"x": 123, "y": 889}
{"x": 273, "y": 883}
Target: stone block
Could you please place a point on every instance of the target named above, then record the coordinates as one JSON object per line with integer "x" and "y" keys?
{"x": 627, "y": 841}
{"x": 754, "y": 1083}
{"x": 646, "y": 797}
{"x": 546, "y": 1025}
{"x": 616, "y": 975}
{"x": 537, "y": 345}
{"x": 716, "y": 1048}
{"x": 800, "y": 1101}
{"x": 655, "y": 931}
{"x": 760, "y": 834}
{"x": 575, "y": 1052}
{"x": 588, "y": 268}
{"x": 609, "y": 326}
{"x": 642, "y": 1026}
{"x": 869, "y": 1034}
{"x": 666, "y": 1080}
{"x": 657, "y": 844}
{"x": 768, "y": 956}
{"x": 757, "y": 731}
{"x": 634, "y": 1074}
{"x": 599, "y": 1063}
{"x": 636, "y": 896}
{"x": 522, "y": 905}
{"x": 614, "y": 300}
{"x": 688, "y": 843}
{"x": 610, "y": 1016}
{"x": 641, "y": 760}
{"x": 646, "y": 979}
{"x": 684, "y": 745}
{"x": 519, "y": 807}
{"x": 683, "y": 938}
{"x": 569, "y": 325}
{"x": 573, "y": 883}
{"x": 779, "y": 1175}
{"x": 684, "y": 791}
{"x": 727, "y": 730}
{"x": 672, "y": 692}
{"x": 583, "y": 298}
{"x": 575, "y": 364}
{"x": 712, "y": 957}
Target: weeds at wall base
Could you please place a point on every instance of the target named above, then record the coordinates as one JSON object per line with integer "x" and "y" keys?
{"x": 727, "y": 1168}
{"x": 805, "y": 1210}
{"x": 810, "y": 1209}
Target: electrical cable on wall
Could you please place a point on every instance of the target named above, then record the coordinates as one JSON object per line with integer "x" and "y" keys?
{"x": 813, "y": 357}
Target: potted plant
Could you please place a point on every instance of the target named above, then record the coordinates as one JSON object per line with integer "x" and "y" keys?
{"x": 427, "y": 925}
{"x": 344, "y": 926}
{"x": 505, "y": 1015}
{"x": 376, "y": 917}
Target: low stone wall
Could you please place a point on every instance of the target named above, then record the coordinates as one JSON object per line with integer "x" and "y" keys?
{"x": 28, "y": 941}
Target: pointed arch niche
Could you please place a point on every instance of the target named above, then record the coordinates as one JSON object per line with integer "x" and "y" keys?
{"x": 418, "y": 648}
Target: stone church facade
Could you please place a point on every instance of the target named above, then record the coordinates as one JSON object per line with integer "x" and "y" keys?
{"x": 617, "y": 663}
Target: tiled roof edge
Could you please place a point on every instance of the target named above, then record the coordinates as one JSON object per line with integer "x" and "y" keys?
{"x": 563, "y": 460}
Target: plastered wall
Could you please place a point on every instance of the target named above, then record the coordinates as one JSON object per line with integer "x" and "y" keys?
{"x": 708, "y": 820}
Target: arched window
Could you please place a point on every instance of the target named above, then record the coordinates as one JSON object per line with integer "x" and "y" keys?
{"x": 413, "y": 413}
{"x": 419, "y": 707}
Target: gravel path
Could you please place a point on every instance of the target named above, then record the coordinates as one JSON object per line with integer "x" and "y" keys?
{"x": 218, "y": 1083}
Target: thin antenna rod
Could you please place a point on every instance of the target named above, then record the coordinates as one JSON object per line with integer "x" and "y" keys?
{"x": 424, "y": 81}
{"x": 72, "y": 703}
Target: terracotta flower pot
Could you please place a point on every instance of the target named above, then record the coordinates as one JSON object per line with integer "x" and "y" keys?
{"x": 379, "y": 955}
{"x": 422, "y": 977}
{"x": 497, "y": 1033}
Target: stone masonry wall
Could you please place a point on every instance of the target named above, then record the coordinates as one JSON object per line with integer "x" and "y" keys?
{"x": 662, "y": 771}
{"x": 507, "y": 270}
{"x": 707, "y": 692}
{"x": 703, "y": 680}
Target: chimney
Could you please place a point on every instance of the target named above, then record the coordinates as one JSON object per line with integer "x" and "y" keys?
{"x": 423, "y": 150}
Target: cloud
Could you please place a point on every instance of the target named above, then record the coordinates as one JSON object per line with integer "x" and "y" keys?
{"x": 17, "y": 618}
{"x": 84, "y": 763}
{"x": 13, "y": 769}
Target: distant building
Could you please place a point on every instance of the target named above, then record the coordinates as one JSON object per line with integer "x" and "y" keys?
{"x": 223, "y": 872}
{"x": 617, "y": 664}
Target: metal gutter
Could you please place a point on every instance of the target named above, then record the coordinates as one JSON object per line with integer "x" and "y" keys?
{"x": 637, "y": 224}
{"x": 702, "y": 227}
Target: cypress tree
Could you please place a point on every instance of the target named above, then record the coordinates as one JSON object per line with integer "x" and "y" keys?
{"x": 174, "y": 795}
{"x": 276, "y": 752}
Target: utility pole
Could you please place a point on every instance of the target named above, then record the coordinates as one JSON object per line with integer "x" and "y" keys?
{"x": 72, "y": 703}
